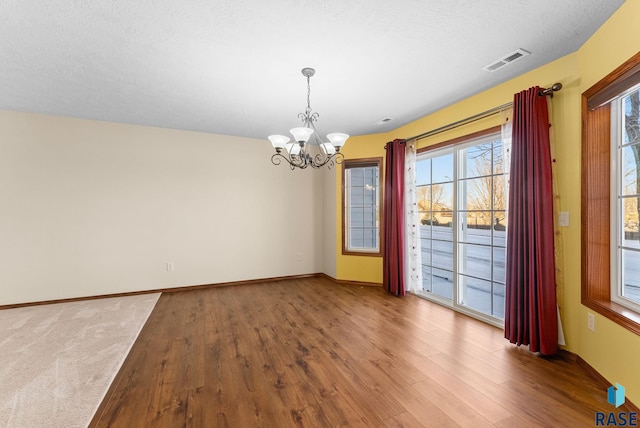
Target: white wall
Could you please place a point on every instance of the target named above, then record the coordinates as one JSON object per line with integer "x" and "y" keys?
{"x": 91, "y": 208}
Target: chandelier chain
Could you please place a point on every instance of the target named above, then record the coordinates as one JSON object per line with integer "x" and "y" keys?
{"x": 309, "y": 93}
{"x": 308, "y": 117}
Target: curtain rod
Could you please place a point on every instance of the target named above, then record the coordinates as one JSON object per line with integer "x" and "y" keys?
{"x": 484, "y": 114}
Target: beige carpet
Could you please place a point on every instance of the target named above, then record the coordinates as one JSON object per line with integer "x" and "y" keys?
{"x": 57, "y": 361}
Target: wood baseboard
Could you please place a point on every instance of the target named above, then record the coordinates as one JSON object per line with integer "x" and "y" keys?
{"x": 346, "y": 282}
{"x": 162, "y": 290}
{"x": 570, "y": 356}
{"x": 190, "y": 287}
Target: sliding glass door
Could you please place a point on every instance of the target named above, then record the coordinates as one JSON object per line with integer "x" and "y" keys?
{"x": 462, "y": 198}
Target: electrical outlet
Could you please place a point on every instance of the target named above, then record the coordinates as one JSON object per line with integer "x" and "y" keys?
{"x": 169, "y": 267}
{"x": 299, "y": 257}
{"x": 591, "y": 322}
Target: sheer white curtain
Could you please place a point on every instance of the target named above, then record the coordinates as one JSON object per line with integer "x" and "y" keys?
{"x": 413, "y": 262}
{"x": 413, "y": 259}
{"x": 506, "y": 116}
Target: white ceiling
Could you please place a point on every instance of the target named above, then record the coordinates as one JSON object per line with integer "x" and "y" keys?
{"x": 233, "y": 67}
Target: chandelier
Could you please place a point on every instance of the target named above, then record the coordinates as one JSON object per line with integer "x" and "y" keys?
{"x": 298, "y": 153}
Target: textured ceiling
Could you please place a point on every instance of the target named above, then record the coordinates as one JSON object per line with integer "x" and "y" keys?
{"x": 233, "y": 67}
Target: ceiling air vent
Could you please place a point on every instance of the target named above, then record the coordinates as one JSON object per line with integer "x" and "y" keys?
{"x": 384, "y": 120}
{"x": 513, "y": 56}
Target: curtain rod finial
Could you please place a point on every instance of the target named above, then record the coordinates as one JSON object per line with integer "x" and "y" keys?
{"x": 549, "y": 91}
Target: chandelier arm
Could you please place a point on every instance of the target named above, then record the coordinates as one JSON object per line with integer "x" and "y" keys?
{"x": 337, "y": 158}
{"x": 321, "y": 160}
{"x": 276, "y": 160}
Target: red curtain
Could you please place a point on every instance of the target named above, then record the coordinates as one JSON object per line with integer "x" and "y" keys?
{"x": 530, "y": 306}
{"x": 393, "y": 216}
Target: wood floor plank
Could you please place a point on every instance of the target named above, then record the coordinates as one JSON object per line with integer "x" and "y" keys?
{"x": 516, "y": 421}
{"x": 470, "y": 393}
{"x": 314, "y": 353}
{"x": 467, "y": 361}
{"x": 448, "y": 400}
{"x": 402, "y": 420}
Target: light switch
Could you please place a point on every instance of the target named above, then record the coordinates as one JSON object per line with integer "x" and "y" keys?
{"x": 563, "y": 219}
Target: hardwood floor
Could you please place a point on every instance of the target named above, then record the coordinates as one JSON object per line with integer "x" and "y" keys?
{"x": 314, "y": 353}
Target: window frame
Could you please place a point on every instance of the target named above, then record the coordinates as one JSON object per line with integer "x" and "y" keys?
{"x": 596, "y": 194}
{"x": 361, "y": 163}
{"x": 453, "y": 145}
{"x": 617, "y": 226}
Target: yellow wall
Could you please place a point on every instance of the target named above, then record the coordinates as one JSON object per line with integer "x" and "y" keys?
{"x": 612, "y": 350}
{"x": 357, "y": 268}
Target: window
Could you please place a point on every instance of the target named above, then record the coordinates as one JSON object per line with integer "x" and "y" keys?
{"x": 361, "y": 207}
{"x": 461, "y": 196}
{"x": 609, "y": 239}
{"x": 625, "y": 192}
